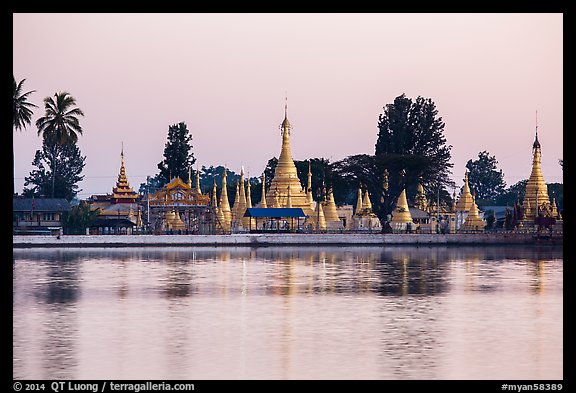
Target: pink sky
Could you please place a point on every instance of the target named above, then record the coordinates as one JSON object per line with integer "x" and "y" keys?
{"x": 226, "y": 76}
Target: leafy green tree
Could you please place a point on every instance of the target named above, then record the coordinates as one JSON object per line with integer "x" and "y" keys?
{"x": 485, "y": 178}
{"x": 411, "y": 146}
{"x": 177, "y": 154}
{"x": 78, "y": 218}
{"x": 69, "y": 163}
{"x": 21, "y": 111}
{"x": 513, "y": 194}
{"x": 60, "y": 125}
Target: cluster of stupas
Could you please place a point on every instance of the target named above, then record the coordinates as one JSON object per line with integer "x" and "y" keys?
{"x": 286, "y": 191}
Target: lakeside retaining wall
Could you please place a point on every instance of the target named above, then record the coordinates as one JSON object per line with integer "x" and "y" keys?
{"x": 255, "y": 240}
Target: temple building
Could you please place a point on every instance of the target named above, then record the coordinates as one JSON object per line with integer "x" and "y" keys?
{"x": 181, "y": 208}
{"x": 119, "y": 212}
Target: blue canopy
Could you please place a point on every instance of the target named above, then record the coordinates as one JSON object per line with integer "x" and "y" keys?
{"x": 274, "y": 212}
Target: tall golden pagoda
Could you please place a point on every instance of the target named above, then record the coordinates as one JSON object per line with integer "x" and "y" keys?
{"x": 536, "y": 198}
{"x": 286, "y": 176}
{"x": 123, "y": 193}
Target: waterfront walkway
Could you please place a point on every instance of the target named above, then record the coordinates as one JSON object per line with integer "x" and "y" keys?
{"x": 255, "y": 240}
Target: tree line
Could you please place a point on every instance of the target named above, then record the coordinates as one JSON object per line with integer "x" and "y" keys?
{"x": 411, "y": 149}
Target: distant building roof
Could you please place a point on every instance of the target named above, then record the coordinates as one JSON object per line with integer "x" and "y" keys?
{"x": 499, "y": 211}
{"x": 20, "y": 203}
{"x": 274, "y": 212}
{"x": 418, "y": 213}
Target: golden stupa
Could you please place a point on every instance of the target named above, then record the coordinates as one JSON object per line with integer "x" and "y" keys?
{"x": 224, "y": 204}
{"x": 473, "y": 221}
{"x": 286, "y": 176}
{"x": 465, "y": 201}
{"x": 358, "y": 211}
{"x": 329, "y": 208}
{"x": 263, "y": 200}
{"x": 366, "y": 203}
{"x": 536, "y": 198}
{"x": 420, "y": 201}
{"x": 401, "y": 214}
{"x": 173, "y": 221}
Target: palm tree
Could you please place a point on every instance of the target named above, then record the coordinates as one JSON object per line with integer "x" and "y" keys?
{"x": 21, "y": 111}
{"x": 60, "y": 125}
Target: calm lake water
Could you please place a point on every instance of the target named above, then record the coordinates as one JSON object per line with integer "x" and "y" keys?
{"x": 288, "y": 313}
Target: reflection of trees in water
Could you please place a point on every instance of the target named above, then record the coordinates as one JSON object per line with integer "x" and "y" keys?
{"x": 62, "y": 282}
{"x": 413, "y": 271}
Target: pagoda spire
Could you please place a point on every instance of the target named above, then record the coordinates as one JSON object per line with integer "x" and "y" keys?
{"x": 359, "y": 201}
{"x": 366, "y": 204}
{"x": 189, "y": 177}
{"x": 123, "y": 193}
{"x": 198, "y": 181}
{"x": 309, "y": 196}
{"x": 263, "y": 201}
{"x": 224, "y": 203}
{"x": 536, "y": 194}
{"x": 214, "y": 199}
{"x": 465, "y": 201}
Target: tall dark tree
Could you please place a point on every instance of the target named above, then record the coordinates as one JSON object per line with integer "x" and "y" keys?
{"x": 60, "y": 125}
{"x": 21, "y": 111}
{"x": 411, "y": 146}
{"x": 177, "y": 154}
{"x": 69, "y": 163}
{"x": 485, "y": 178}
